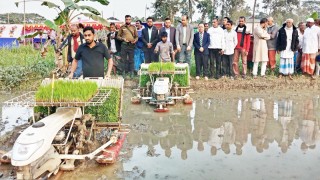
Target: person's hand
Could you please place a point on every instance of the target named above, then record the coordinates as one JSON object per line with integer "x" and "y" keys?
{"x": 133, "y": 42}
{"x": 70, "y": 75}
{"x": 201, "y": 49}
{"x": 178, "y": 48}
{"x": 278, "y": 52}
{"x": 246, "y": 53}
{"x": 188, "y": 48}
{"x": 149, "y": 45}
{"x": 155, "y": 51}
{"x": 125, "y": 40}
{"x": 107, "y": 76}
{"x": 221, "y": 52}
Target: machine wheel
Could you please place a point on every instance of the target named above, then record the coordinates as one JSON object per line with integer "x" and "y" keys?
{"x": 161, "y": 110}
{"x": 135, "y": 100}
{"x": 188, "y": 101}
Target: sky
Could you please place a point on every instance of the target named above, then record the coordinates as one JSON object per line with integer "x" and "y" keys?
{"x": 118, "y": 8}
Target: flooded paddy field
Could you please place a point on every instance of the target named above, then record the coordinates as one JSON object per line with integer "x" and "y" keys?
{"x": 233, "y": 134}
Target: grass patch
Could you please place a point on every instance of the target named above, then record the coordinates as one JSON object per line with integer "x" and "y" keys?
{"x": 110, "y": 110}
{"x": 67, "y": 91}
{"x": 23, "y": 64}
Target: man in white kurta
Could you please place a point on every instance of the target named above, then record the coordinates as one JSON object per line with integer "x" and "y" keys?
{"x": 260, "y": 48}
{"x": 231, "y": 41}
{"x": 310, "y": 47}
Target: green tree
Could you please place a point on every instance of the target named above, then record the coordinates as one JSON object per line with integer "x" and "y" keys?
{"x": 188, "y": 7}
{"x": 165, "y": 9}
{"x": 205, "y": 7}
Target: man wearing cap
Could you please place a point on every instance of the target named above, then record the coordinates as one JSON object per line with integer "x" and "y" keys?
{"x": 310, "y": 48}
{"x": 273, "y": 31}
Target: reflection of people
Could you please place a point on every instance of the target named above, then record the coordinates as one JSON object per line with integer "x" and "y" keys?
{"x": 92, "y": 55}
{"x": 215, "y": 139}
{"x": 308, "y": 126}
{"x": 258, "y": 135}
{"x": 228, "y": 137}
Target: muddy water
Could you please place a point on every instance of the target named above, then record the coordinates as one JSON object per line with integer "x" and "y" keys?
{"x": 233, "y": 135}
{"x": 222, "y": 135}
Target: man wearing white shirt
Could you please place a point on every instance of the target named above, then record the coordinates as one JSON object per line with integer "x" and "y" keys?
{"x": 231, "y": 41}
{"x": 310, "y": 47}
{"x": 216, "y": 48}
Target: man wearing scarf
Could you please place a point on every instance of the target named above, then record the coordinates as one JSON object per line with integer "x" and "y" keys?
{"x": 287, "y": 44}
{"x": 74, "y": 40}
{"x": 242, "y": 48}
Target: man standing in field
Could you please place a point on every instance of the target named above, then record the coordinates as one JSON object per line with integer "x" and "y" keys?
{"x": 92, "y": 54}
{"x": 273, "y": 31}
{"x": 184, "y": 40}
{"x": 242, "y": 48}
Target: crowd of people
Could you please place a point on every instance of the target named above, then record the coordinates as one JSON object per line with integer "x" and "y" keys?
{"x": 217, "y": 49}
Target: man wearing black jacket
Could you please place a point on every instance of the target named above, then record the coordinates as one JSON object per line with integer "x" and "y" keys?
{"x": 74, "y": 40}
{"x": 150, "y": 38}
{"x": 287, "y": 44}
{"x": 114, "y": 46}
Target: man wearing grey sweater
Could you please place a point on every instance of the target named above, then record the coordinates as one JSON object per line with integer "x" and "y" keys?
{"x": 273, "y": 31}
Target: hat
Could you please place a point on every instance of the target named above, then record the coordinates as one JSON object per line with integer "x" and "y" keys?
{"x": 310, "y": 20}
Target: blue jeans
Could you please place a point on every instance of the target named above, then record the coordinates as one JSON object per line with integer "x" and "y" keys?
{"x": 78, "y": 71}
{"x": 185, "y": 56}
{"x": 138, "y": 58}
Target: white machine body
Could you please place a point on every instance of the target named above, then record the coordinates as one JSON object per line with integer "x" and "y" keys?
{"x": 37, "y": 139}
{"x": 161, "y": 85}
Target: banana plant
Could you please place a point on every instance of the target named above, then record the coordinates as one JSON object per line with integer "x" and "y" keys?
{"x": 71, "y": 10}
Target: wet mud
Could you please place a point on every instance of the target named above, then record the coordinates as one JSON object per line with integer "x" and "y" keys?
{"x": 246, "y": 129}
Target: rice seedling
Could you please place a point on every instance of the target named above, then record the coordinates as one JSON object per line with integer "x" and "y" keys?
{"x": 110, "y": 110}
{"x": 67, "y": 91}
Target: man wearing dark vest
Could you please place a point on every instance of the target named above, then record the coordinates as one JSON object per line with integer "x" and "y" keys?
{"x": 74, "y": 40}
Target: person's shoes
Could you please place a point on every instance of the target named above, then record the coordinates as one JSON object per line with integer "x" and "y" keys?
{"x": 254, "y": 77}
{"x": 206, "y": 78}
{"x": 197, "y": 77}
{"x": 280, "y": 76}
{"x": 244, "y": 76}
{"x": 290, "y": 77}
{"x": 236, "y": 77}
{"x": 312, "y": 77}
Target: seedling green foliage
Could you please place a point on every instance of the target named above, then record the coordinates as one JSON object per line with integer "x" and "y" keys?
{"x": 181, "y": 79}
{"x": 67, "y": 91}
{"x": 22, "y": 65}
{"x": 109, "y": 111}
{"x": 165, "y": 67}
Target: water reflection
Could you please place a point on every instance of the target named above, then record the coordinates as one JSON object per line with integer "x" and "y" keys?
{"x": 228, "y": 125}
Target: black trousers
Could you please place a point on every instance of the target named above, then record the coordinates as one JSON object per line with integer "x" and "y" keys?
{"x": 215, "y": 63}
{"x": 150, "y": 56}
{"x": 127, "y": 55}
{"x": 201, "y": 63}
{"x": 227, "y": 61}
